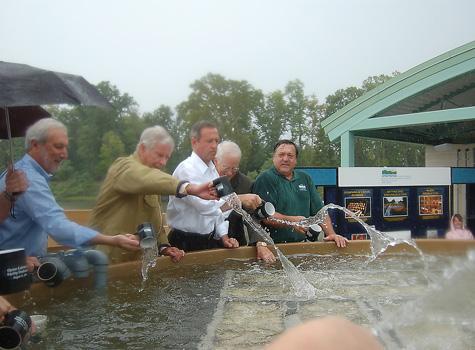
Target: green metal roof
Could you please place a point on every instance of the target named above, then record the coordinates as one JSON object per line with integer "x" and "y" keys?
{"x": 431, "y": 103}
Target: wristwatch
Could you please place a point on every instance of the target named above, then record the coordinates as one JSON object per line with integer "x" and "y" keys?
{"x": 181, "y": 189}
{"x": 261, "y": 244}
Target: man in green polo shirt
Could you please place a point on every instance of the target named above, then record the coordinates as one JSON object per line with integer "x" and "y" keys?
{"x": 294, "y": 196}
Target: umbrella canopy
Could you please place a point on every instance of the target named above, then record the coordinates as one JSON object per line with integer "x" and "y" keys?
{"x": 20, "y": 119}
{"x": 23, "y": 85}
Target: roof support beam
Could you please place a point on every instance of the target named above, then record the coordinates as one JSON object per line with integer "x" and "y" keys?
{"x": 347, "y": 157}
{"x": 422, "y": 118}
{"x": 376, "y": 104}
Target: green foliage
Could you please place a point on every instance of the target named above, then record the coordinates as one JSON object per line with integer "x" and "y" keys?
{"x": 112, "y": 148}
{"x": 233, "y": 105}
{"x": 297, "y": 118}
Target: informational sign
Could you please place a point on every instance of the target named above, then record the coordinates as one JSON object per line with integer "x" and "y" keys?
{"x": 398, "y": 176}
{"x": 358, "y": 201}
{"x": 431, "y": 202}
{"x": 395, "y": 204}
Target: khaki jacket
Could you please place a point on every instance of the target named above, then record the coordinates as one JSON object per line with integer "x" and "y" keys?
{"x": 129, "y": 196}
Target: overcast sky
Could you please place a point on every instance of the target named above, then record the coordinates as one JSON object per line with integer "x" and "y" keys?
{"x": 154, "y": 50}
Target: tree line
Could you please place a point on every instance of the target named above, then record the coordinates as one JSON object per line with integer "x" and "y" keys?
{"x": 243, "y": 113}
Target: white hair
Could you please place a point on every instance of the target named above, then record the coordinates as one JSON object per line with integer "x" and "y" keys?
{"x": 227, "y": 148}
{"x": 155, "y": 135}
{"x": 39, "y": 131}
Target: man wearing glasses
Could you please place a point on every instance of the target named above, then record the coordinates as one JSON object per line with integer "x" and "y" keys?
{"x": 228, "y": 157}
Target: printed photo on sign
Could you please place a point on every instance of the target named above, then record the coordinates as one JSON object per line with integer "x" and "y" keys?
{"x": 395, "y": 206}
{"x": 361, "y": 206}
{"x": 359, "y": 236}
{"x": 430, "y": 205}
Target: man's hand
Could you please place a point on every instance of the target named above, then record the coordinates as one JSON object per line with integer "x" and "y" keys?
{"x": 15, "y": 181}
{"x": 127, "y": 242}
{"x": 174, "y": 253}
{"x": 31, "y": 263}
{"x": 229, "y": 242}
{"x": 265, "y": 254}
{"x": 5, "y": 308}
{"x": 339, "y": 240}
{"x": 250, "y": 200}
{"x": 204, "y": 191}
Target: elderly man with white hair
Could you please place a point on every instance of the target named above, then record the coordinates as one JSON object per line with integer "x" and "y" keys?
{"x": 228, "y": 158}
{"x": 130, "y": 193}
{"x": 36, "y": 213}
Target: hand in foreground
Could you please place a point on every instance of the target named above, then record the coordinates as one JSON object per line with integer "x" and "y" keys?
{"x": 174, "y": 253}
{"x": 15, "y": 181}
{"x": 229, "y": 242}
{"x": 250, "y": 200}
{"x": 339, "y": 240}
{"x": 329, "y": 332}
{"x": 205, "y": 190}
{"x": 5, "y": 308}
{"x": 127, "y": 242}
{"x": 265, "y": 254}
{"x": 31, "y": 263}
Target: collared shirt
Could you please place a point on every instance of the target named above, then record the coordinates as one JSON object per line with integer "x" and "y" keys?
{"x": 193, "y": 214}
{"x": 295, "y": 197}
{"x": 37, "y": 214}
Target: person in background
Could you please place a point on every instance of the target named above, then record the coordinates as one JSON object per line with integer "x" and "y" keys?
{"x": 294, "y": 196}
{"x": 130, "y": 193}
{"x": 228, "y": 158}
{"x": 457, "y": 229}
{"x": 197, "y": 224}
{"x": 36, "y": 213}
{"x": 15, "y": 184}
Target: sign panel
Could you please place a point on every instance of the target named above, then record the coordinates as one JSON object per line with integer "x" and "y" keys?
{"x": 397, "y": 176}
{"x": 431, "y": 202}
{"x": 395, "y": 204}
{"x": 358, "y": 201}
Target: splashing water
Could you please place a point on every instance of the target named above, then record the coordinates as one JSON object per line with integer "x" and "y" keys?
{"x": 446, "y": 305}
{"x": 301, "y": 286}
{"x": 149, "y": 260}
{"x": 380, "y": 241}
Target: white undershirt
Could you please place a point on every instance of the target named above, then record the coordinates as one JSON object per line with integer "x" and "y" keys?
{"x": 193, "y": 214}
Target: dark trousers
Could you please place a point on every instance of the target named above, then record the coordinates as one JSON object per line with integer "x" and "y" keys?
{"x": 236, "y": 228}
{"x": 191, "y": 241}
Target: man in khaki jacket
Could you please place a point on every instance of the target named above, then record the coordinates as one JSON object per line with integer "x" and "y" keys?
{"x": 130, "y": 194}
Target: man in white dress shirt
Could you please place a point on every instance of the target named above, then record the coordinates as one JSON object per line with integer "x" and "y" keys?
{"x": 198, "y": 224}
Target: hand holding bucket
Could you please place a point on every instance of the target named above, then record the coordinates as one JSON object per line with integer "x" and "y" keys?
{"x": 147, "y": 235}
{"x": 15, "y": 329}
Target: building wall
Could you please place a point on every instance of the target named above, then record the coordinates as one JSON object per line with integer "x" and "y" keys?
{"x": 450, "y": 155}
{"x": 453, "y": 156}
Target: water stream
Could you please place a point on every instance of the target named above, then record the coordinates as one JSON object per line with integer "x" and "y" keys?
{"x": 302, "y": 288}
{"x": 300, "y": 285}
{"x": 149, "y": 260}
{"x": 380, "y": 241}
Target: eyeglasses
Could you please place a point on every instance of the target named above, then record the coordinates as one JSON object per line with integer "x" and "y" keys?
{"x": 233, "y": 170}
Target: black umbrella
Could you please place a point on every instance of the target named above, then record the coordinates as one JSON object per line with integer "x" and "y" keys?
{"x": 23, "y": 85}
{"x": 20, "y": 119}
